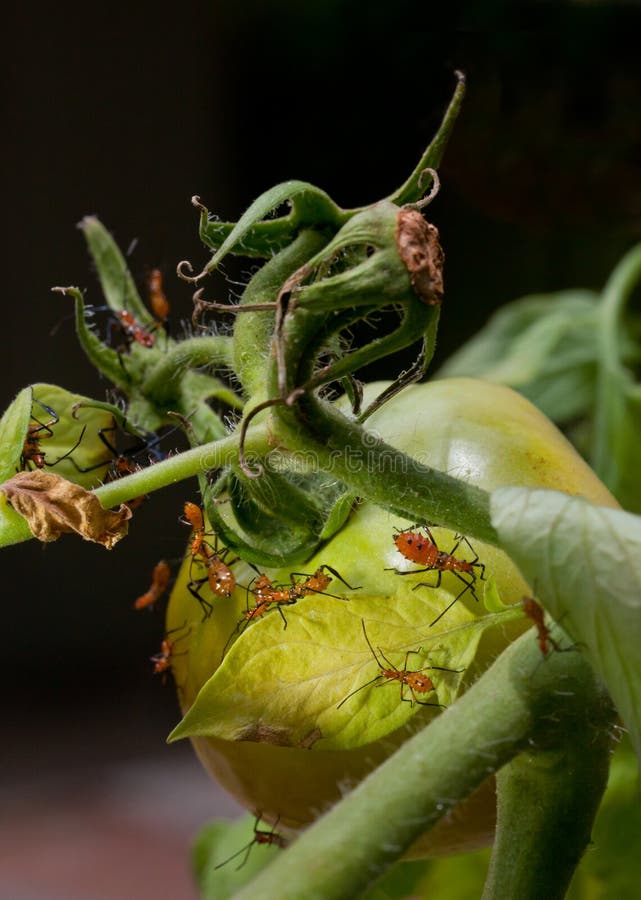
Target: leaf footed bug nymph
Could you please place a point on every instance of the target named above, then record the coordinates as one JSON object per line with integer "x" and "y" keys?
{"x": 414, "y": 679}
{"x": 32, "y": 453}
{"x": 261, "y": 836}
{"x": 423, "y": 550}
{"x": 219, "y": 576}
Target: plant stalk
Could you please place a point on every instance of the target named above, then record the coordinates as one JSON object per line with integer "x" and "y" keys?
{"x": 523, "y": 699}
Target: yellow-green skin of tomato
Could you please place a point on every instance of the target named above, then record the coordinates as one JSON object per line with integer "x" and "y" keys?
{"x": 477, "y": 431}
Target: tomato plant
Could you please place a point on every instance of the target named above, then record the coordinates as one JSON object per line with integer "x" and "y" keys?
{"x": 312, "y": 658}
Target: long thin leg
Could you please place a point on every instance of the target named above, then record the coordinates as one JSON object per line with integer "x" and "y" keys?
{"x": 194, "y": 588}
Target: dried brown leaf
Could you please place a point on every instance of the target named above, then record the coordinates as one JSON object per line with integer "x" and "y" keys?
{"x": 52, "y": 506}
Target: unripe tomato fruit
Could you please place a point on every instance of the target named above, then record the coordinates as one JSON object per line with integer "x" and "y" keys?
{"x": 477, "y": 431}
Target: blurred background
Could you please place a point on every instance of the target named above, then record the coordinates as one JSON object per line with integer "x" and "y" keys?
{"x": 126, "y": 112}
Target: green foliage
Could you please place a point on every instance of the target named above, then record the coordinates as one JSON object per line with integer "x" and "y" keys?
{"x": 611, "y": 868}
{"x": 585, "y": 562}
{"x": 13, "y": 429}
{"x": 616, "y": 445}
{"x": 292, "y": 680}
{"x": 221, "y": 864}
{"x": 544, "y": 346}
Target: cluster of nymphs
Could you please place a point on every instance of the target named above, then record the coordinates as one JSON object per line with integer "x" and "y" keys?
{"x": 211, "y": 578}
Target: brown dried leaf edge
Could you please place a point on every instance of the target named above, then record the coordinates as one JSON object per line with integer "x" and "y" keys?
{"x": 52, "y": 506}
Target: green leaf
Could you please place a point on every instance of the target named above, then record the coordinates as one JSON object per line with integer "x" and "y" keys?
{"x": 217, "y": 842}
{"x": 13, "y": 430}
{"x": 617, "y": 428}
{"x": 292, "y": 680}
{"x": 544, "y": 346}
{"x": 611, "y": 869}
{"x": 58, "y": 434}
{"x": 84, "y": 428}
{"x": 59, "y": 431}
{"x": 585, "y": 564}
{"x": 618, "y": 437}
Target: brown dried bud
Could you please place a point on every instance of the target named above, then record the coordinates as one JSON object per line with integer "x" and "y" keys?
{"x": 419, "y": 247}
{"x": 52, "y": 506}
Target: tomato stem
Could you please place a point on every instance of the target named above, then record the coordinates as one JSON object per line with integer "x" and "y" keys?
{"x": 515, "y": 707}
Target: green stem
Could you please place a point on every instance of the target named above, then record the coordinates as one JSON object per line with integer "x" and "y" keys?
{"x": 253, "y": 330}
{"x": 184, "y": 465}
{"x": 379, "y": 472}
{"x": 501, "y": 714}
{"x": 535, "y": 854}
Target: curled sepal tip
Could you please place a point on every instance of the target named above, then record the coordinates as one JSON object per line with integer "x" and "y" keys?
{"x": 309, "y": 205}
{"x": 411, "y": 191}
{"x": 101, "y": 355}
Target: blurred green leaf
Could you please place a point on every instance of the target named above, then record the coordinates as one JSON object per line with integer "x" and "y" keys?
{"x": 455, "y": 877}
{"x": 617, "y": 430}
{"x": 611, "y": 868}
{"x": 585, "y": 561}
{"x": 220, "y": 859}
{"x": 544, "y": 346}
{"x": 400, "y": 882}
{"x": 618, "y": 438}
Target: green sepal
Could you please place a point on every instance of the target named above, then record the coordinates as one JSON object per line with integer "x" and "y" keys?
{"x": 116, "y": 280}
{"x": 326, "y": 303}
{"x": 163, "y": 378}
{"x": 263, "y": 240}
{"x": 253, "y": 331}
{"x": 103, "y": 357}
{"x": 410, "y": 191}
{"x": 310, "y": 206}
{"x": 340, "y": 513}
{"x": 260, "y": 534}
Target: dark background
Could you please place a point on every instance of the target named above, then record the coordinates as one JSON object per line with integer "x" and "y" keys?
{"x": 129, "y": 113}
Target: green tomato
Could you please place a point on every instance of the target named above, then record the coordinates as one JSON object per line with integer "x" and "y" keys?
{"x": 289, "y": 712}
